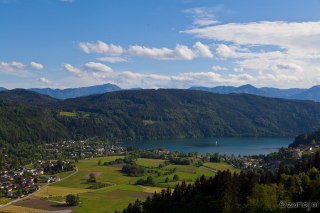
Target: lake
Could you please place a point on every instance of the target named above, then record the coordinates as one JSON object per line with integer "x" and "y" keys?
{"x": 236, "y": 146}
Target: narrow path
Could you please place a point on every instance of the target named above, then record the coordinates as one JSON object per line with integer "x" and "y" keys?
{"x": 212, "y": 170}
{"x": 36, "y": 191}
{"x": 208, "y": 169}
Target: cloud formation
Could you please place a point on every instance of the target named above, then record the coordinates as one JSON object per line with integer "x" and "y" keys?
{"x": 204, "y": 16}
{"x": 69, "y": 68}
{"x": 12, "y": 67}
{"x": 46, "y": 81}
{"x": 97, "y": 67}
{"x": 181, "y": 52}
{"x": 219, "y": 68}
{"x": 36, "y": 65}
{"x": 112, "y": 59}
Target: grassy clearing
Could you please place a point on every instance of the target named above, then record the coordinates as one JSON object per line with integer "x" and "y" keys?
{"x": 30, "y": 166}
{"x": 64, "y": 174}
{"x": 206, "y": 172}
{"x": 17, "y": 209}
{"x": 150, "y": 162}
{"x": 97, "y": 204}
{"x": 222, "y": 166}
{"x": 5, "y": 200}
{"x": 182, "y": 168}
{"x": 152, "y": 189}
{"x": 69, "y": 114}
{"x": 119, "y": 187}
{"x": 58, "y": 191}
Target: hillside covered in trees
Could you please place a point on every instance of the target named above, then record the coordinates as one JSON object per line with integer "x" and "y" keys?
{"x": 306, "y": 139}
{"x": 153, "y": 114}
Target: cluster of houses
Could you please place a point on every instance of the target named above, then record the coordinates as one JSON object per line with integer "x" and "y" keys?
{"x": 9, "y": 182}
{"x": 297, "y": 152}
{"x": 25, "y": 179}
{"x": 161, "y": 152}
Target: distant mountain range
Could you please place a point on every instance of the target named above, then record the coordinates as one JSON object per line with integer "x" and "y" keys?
{"x": 295, "y": 93}
{"x": 77, "y": 92}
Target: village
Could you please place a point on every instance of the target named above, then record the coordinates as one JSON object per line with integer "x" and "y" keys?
{"x": 19, "y": 182}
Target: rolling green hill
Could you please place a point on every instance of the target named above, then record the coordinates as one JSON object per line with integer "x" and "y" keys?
{"x": 153, "y": 114}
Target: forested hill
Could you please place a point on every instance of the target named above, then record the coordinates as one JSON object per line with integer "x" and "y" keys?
{"x": 306, "y": 139}
{"x": 33, "y": 125}
{"x": 176, "y": 113}
{"x": 27, "y": 97}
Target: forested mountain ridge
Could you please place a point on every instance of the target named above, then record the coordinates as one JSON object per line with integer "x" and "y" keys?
{"x": 27, "y": 97}
{"x": 33, "y": 125}
{"x": 178, "y": 113}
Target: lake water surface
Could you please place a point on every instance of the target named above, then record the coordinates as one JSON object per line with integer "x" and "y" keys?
{"x": 236, "y": 146}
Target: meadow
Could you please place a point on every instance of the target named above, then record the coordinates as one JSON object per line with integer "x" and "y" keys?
{"x": 123, "y": 189}
{"x": 221, "y": 166}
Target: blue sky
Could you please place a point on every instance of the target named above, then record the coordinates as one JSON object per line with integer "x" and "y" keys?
{"x": 151, "y": 44}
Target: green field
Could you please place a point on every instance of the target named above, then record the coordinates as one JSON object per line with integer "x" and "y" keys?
{"x": 119, "y": 187}
{"x": 150, "y": 162}
{"x": 72, "y": 114}
{"x": 5, "y": 200}
{"x": 123, "y": 190}
{"x": 221, "y": 166}
{"x": 69, "y": 114}
{"x": 91, "y": 202}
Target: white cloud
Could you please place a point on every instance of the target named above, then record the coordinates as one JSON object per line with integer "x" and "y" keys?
{"x": 225, "y": 51}
{"x": 43, "y": 80}
{"x": 285, "y": 66}
{"x": 297, "y": 36}
{"x": 181, "y": 52}
{"x": 97, "y": 67}
{"x": 204, "y": 16}
{"x": 36, "y": 65}
{"x": 219, "y": 68}
{"x": 238, "y": 69}
{"x": 12, "y": 66}
{"x": 73, "y": 70}
{"x": 112, "y": 59}
{"x": 101, "y": 47}
{"x": 278, "y": 78}
{"x": 68, "y": 0}
{"x": 203, "y": 50}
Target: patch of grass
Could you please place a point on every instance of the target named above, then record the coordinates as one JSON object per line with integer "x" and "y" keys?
{"x": 183, "y": 168}
{"x": 149, "y": 162}
{"x": 59, "y": 191}
{"x": 69, "y": 114}
{"x": 206, "y": 172}
{"x": 5, "y": 200}
{"x": 121, "y": 193}
{"x": 182, "y": 176}
{"x": 222, "y": 166}
{"x": 97, "y": 203}
{"x": 152, "y": 189}
{"x": 117, "y": 187}
{"x": 30, "y": 166}
{"x": 64, "y": 174}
